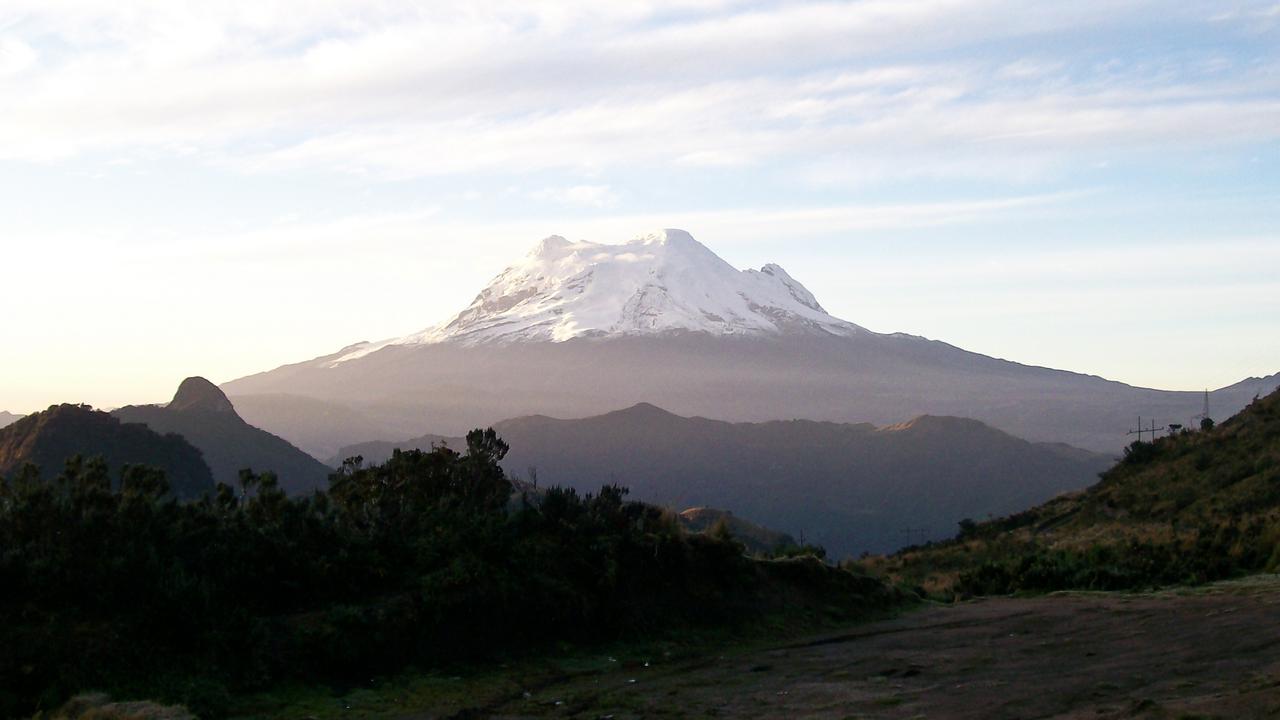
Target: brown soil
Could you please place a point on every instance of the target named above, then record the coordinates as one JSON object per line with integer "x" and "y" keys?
{"x": 1212, "y": 652}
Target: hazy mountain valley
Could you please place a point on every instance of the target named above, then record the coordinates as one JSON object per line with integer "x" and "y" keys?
{"x": 848, "y": 488}
{"x": 957, "y": 395}
{"x": 729, "y": 460}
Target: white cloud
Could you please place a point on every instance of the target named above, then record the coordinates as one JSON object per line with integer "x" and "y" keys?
{"x": 589, "y": 196}
{"x": 16, "y": 56}
{"x": 401, "y": 91}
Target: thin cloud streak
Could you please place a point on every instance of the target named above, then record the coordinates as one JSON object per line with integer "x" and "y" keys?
{"x": 400, "y": 95}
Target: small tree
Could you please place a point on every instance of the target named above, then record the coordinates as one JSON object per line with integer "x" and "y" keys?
{"x": 720, "y": 531}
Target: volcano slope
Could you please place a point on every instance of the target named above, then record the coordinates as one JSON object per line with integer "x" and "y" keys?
{"x": 579, "y": 329}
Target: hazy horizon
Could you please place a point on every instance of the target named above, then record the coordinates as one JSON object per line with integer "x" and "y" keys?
{"x": 221, "y": 190}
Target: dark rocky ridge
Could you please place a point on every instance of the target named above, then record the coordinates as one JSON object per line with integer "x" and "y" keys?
{"x": 202, "y": 414}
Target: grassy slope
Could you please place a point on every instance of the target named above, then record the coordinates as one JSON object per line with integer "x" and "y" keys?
{"x": 1188, "y": 508}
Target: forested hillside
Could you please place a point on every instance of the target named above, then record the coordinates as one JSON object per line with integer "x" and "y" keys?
{"x": 429, "y": 559}
{"x": 47, "y": 440}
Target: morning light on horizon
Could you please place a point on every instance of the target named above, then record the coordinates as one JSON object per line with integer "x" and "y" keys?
{"x": 220, "y": 189}
{"x": 750, "y": 359}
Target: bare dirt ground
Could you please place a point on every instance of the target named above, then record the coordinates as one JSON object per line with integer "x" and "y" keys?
{"x": 1208, "y": 652}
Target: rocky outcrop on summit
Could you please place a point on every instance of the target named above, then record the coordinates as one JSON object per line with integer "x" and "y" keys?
{"x": 202, "y": 414}
{"x": 200, "y": 395}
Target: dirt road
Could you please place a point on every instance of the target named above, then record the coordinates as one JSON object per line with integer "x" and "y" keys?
{"x": 1211, "y": 652}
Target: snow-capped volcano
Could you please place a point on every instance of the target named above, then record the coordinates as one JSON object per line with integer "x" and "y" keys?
{"x": 579, "y": 328}
{"x": 658, "y": 283}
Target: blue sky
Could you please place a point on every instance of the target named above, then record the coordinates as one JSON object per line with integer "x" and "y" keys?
{"x": 220, "y": 188}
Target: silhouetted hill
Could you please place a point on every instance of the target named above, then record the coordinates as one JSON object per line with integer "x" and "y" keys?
{"x": 8, "y": 418}
{"x": 376, "y": 451}
{"x": 756, "y": 538}
{"x": 850, "y": 488}
{"x": 1190, "y": 507}
{"x": 48, "y": 439}
{"x": 201, "y": 413}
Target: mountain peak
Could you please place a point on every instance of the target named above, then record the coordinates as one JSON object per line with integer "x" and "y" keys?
{"x": 671, "y": 237}
{"x": 644, "y": 411}
{"x": 659, "y": 283}
{"x": 549, "y": 246}
{"x": 197, "y": 393}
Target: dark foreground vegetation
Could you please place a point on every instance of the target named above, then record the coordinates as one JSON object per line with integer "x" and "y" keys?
{"x": 1189, "y": 508}
{"x": 108, "y": 583}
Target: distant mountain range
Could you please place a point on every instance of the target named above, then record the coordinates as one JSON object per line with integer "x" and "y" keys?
{"x": 575, "y": 329}
{"x": 202, "y": 414}
{"x": 850, "y": 488}
{"x": 8, "y": 418}
{"x": 48, "y": 439}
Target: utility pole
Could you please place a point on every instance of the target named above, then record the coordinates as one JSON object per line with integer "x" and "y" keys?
{"x": 1142, "y": 431}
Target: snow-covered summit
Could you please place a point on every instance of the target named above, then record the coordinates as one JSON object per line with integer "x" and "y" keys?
{"x": 658, "y": 283}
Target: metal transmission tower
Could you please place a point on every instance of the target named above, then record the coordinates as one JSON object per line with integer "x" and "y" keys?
{"x": 1204, "y": 414}
{"x": 1142, "y": 431}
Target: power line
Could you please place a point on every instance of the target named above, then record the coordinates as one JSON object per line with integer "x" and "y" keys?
{"x": 1142, "y": 431}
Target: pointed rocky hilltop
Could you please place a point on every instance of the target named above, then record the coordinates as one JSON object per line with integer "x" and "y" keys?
{"x": 195, "y": 394}
{"x": 8, "y": 418}
{"x": 578, "y": 328}
{"x": 48, "y": 439}
{"x": 201, "y": 413}
{"x": 849, "y": 487}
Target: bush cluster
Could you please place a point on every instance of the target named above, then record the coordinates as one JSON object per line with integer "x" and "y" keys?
{"x": 429, "y": 557}
{"x": 1211, "y": 552}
